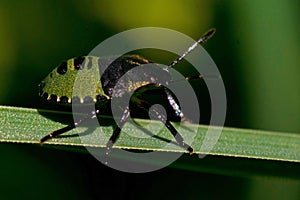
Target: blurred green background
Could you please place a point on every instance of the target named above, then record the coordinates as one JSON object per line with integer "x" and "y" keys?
{"x": 256, "y": 49}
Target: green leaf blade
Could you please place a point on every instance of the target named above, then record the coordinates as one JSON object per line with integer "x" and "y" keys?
{"x": 23, "y": 125}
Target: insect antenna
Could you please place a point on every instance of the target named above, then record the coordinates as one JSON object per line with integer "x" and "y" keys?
{"x": 207, "y": 35}
{"x": 204, "y": 38}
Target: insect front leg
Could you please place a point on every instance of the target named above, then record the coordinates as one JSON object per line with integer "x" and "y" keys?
{"x": 157, "y": 114}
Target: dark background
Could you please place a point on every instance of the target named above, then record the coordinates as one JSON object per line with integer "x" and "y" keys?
{"x": 256, "y": 49}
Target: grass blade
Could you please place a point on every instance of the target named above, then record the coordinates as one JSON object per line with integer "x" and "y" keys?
{"x": 23, "y": 125}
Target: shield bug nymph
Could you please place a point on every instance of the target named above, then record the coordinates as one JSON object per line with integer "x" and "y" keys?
{"x": 58, "y": 87}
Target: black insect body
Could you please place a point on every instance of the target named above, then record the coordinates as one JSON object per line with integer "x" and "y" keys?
{"x": 143, "y": 87}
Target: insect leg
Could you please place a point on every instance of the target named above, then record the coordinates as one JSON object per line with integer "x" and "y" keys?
{"x": 69, "y": 127}
{"x": 195, "y": 77}
{"x": 117, "y": 131}
{"x": 160, "y": 116}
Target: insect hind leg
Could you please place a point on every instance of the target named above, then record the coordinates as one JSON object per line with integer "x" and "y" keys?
{"x": 117, "y": 130}
{"x": 69, "y": 127}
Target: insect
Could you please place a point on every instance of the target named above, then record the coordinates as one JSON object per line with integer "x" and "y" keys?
{"x": 58, "y": 86}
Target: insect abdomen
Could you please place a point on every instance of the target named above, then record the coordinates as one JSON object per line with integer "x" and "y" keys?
{"x": 77, "y": 78}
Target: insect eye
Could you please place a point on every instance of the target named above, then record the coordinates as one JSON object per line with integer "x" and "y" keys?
{"x": 63, "y": 68}
{"x": 78, "y": 63}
